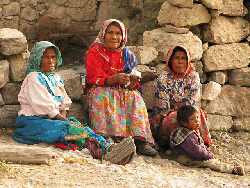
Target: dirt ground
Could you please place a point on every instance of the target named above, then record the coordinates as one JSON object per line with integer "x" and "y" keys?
{"x": 79, "y": 169}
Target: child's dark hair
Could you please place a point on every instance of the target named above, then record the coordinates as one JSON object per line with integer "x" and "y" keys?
{"x": 185, "y": 112}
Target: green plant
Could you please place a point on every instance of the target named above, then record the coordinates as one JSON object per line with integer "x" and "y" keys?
{"x": 4, "y": 166}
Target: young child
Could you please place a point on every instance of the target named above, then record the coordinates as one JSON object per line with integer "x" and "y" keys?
{"x": 187, "y": 144}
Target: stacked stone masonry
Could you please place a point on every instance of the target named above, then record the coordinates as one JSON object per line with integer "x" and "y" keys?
{"x": 217, "y": 33}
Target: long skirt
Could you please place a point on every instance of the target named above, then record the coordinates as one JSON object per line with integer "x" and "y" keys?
{"x": 163, "y": 126}
{"x": 116, "y": 112}
{"x": 34, "y": 130}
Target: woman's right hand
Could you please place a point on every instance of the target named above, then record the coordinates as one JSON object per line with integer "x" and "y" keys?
{"x": 121, "y": 78}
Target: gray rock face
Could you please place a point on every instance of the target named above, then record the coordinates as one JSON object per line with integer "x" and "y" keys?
{"x": 162, "y": 41}
{"x": 240, "y": 77}
{"x": 227, "y": 56}
{"x": 183, "y": 17}
{"x": 4, "y": 73}
{"x": 225, "y": 30}
{"x": 148, "y": 73}
{"x": 217, "y": 122}
{"x": 77, "y": 110}
{"x": 148, "y": 94}
{"x": 232, "y": 101}
{"x": 8, "y": 114}
{"x": 18, "y": 66}
{"x": 12, "y": 42}
{"x": 10, "y": 93}
{"x": 72, "y": 84}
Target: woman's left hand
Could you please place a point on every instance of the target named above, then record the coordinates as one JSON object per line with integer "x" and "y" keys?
{"x": 133, "y": 80}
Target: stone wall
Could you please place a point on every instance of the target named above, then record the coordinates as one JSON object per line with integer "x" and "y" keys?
{"x": 215, "y": 31}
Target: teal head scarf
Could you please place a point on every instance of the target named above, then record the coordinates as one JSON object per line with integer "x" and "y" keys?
{"x": 36, "y": 55}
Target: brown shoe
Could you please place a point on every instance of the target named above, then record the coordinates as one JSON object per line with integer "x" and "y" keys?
{"x": 144, "y": 149}
{"x": 121, "y": 153}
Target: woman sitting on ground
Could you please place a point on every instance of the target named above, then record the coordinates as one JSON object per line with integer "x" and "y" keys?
{"x": 179, "y": 85}
{"x": 116, "y": 107}
{"x": 44, "y": 106}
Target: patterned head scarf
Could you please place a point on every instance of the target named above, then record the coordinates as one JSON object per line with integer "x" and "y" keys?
{"x": 100, "y": 37}
{"x": 189, "y": 64}
{"x": 36, "y": 55}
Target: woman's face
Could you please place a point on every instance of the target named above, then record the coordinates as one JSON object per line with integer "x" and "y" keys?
{"x": 179, "y": 62}
{"x": 113, "y": 37}
{"x": 49, "y": 60}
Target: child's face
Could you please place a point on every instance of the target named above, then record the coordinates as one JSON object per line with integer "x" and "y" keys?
{"x": 194, "y": 121}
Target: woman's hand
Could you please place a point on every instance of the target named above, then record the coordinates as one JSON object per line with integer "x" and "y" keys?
{"x": 62, "y": 116}
{"x": 121, "y": 78}
{"x": 133, "y": 80}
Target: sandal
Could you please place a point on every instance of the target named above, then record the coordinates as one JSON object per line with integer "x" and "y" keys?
{"x": 121, "y": 153}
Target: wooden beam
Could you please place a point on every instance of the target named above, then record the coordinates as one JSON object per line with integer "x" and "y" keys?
{"x": 25, "y": 154}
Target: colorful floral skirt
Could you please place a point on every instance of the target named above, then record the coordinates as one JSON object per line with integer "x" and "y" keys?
{"x": 116, "y": 112}
{"x": 163, "y": 126}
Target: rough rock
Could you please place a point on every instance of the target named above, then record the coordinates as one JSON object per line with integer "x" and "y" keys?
{"x": 8, "y": 114}
{"x": 217, "y": 122}
{"x": 239, "y": 77}
{"x": 77, "y": 110}
{"x": 29, "y": 13}
{"x": 56, "y": 11}
{"x": 1, "y": 100}
{"x": 227, "y": 56}
{"x": 224, "y": 29}
{"x": 219, "y": 77}
{"x": 148, "y": 73}
{"x": 161, "y": 67}
{"x": 72, "y": 84}
{"x": 148, "y": 94}
{"x": 237, "y": 126}
{"x": 213, "y": 4}
{"x": 80, "y": 4}
{"x": 5, "y": 2}
{"x": 29, "y": 2}
{"x": 232, "y": 101}
{"x": 11, "y": 10}
{"x": 11, "y": 22}
{"x": 10, "y": 93}
{"x": 78, "y": 15}
{"x": 233, "y": 8}
{"x": 29, "y": 29}
{"x": 244, "y": 121}
{"x": 162, "y": 41}
{"x": 183, "y": 17}
{"x": 173, "y": 29}
{"x": 12, "y": 41}
{"x": 144, "y": 55}
{"x": 198, "y": 67}
{"x": 4, "y": 73}
{"x": 181, "y": 3}
{"x": 210, "y": 90}
{"x": 18, "y": 66}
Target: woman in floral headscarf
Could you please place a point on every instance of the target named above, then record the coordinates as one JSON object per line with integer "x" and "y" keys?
{"x": 44, "y": 106}
{"x": 116, "y": 107}
{"x": 179, "y": 85}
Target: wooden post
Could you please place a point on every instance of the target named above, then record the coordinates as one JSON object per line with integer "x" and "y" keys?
{"x": 25, "y": 154}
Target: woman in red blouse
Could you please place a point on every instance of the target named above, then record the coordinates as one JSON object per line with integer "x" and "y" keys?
{"x": 116, "y": 107}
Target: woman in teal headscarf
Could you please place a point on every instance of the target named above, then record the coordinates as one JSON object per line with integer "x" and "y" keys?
{"x": 44, "y": 106}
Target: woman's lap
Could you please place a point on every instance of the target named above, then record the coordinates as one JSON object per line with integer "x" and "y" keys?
{"x": 33, "y": 130}
{"x": 118, "y": 112}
